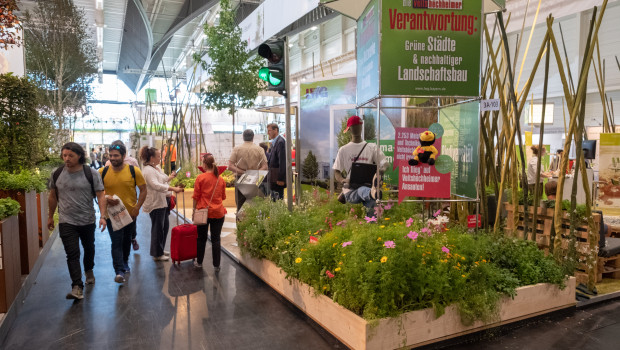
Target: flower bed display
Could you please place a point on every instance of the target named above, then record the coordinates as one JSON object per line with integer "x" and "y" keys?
{"x": 42, "y": 213}
{"x": 395, "y": 268}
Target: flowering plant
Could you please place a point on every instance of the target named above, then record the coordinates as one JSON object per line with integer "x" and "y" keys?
{"x": 394, "y": 264}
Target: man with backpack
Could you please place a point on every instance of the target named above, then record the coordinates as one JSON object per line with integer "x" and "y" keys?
{"x": 121, "y": 179}
{"x": 72, "y": 188}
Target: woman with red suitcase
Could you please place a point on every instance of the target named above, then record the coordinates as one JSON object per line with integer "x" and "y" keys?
{"x": 157, "y": 203}
{"x": 209, "y": 192}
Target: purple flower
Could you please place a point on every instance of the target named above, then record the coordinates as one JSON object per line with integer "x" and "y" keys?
{"x": 413, "y": 235}
{"x": 331, "y": 211}
{"x": 388, "y": 206}
{"x": 445, "y": 250}
{"x": 409, "y": 222}
{"x": 389, "y": 244}
{"x": 369, "y": 220}
{"x": 347, "y": 243}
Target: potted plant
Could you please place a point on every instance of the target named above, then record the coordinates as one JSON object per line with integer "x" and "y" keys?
{"x": 10, "y": 273}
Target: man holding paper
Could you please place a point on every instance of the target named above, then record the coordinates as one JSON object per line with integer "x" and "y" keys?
{"x": 120, "y": 181}
{"x": 247, "y": 156}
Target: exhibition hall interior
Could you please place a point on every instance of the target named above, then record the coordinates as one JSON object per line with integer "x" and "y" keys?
{"x": 309, "y": 174}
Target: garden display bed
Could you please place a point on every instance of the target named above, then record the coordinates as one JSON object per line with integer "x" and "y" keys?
{"x": 189, "y": 192}
{"x": 28, "y": 227}
{"x": 10, "y": 267}
{"x": 414, "y": 328}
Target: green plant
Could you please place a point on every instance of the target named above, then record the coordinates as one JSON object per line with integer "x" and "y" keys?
{"x": 25, "y": 180}
{"x": 229, "y": 177}
{"x": 8, "y": 207}
{"x": 310, "y": 167}
{"x": 347, "y": 256}
{"x": 234, "y": 79}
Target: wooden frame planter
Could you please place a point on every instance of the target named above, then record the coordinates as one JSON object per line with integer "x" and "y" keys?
{"x": 28, "y": 227}
{"x": 42, "y": 211}
{"x": 542, "y": 237}
{"x": 413, "y": 328}
{"x": 188, "y": 193}
{"x": 10, "y": 266}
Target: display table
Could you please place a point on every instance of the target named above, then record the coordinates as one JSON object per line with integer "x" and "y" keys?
{"x": 568, "y": 186}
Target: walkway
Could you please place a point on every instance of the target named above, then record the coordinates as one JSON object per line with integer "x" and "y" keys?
{"x": 160, "y": 307}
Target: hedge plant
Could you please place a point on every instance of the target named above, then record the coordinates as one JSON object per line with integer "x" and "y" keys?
{"x": 8, "y": 208}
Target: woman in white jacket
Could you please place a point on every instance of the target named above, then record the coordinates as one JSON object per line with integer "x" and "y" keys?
{"x": 157, "y": 202}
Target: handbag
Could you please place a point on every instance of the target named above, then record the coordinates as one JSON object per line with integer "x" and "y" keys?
{"x": 361, "y": 173}
{"x": 173, "y": 203}
{"x": 201, "y": 216}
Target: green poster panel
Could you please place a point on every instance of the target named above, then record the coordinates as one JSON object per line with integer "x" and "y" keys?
{"x": 150, "y": 95}
{"x": 368, "y": 54}
{"x": 430, "y": 47}
{"x": 461, "y": 142}
{"x": 390, "y": 177}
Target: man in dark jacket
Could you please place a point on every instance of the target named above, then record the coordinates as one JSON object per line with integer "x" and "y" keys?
{"x": 277, "y": 162}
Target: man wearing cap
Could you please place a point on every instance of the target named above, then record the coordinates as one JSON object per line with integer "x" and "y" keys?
{"x": 277, "y": 162}
{"x": 361, "y": 152}
{"x": 247, "y": 156}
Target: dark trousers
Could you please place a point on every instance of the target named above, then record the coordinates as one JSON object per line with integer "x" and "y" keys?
{"x": 173, "y": 166}
{"x": 277, "y": 192}
{"x": 216, "y": 247}
{"x": 121, "y": 245}
{"x": 71, "y": 236}
{"x": 160, "y": 224}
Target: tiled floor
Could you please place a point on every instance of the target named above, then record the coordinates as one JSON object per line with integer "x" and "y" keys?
{"x": 160, "y": 307}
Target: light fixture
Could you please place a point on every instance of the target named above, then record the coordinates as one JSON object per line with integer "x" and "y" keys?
{"x": 313, "y": 28}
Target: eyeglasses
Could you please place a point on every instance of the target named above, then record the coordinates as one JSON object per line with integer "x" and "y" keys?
{"x": 117, "y": 147}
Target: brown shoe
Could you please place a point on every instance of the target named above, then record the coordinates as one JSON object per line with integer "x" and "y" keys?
{"x": 342, "y": 199}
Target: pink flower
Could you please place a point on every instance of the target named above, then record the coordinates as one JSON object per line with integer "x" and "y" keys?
{"x": 445, "y": 250}
{"x": 314, "y": 240}
{"x": 388, "y": 206}
{"x": 409, "y": 222}
{"x": 413, "y": 235}
{"x": 352, "y": 210}
{"x": 426, "y": 230}
{"x": 329, "y": 274}
{"x": 389, "y": 244}
{"x": 331, "y": 211}
{"x": 369, "y": 220}
{"x": 347, "y": 243}
{"x": 437, "y": 213}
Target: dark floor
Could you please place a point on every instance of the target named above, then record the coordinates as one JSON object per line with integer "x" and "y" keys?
{"x": 166, "y": 307}
{"x": 160, "y": 307}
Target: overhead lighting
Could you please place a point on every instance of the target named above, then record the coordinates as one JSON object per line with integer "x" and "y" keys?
{"x": 313, "y": 28}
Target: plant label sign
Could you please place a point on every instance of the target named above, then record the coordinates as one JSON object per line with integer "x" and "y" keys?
{"x": 407, "y": 140}
{"x": 489, "y": 105}
{"x": 472, "y": 220}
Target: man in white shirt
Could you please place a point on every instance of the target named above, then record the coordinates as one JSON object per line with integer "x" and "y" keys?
{"x": 360, "y": 152}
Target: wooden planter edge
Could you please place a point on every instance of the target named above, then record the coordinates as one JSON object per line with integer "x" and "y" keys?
{"x": 413, "y": 328}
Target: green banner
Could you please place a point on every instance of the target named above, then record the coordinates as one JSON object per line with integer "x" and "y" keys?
{"x": 430, "y": 47}
{"x": 150, "y": 95}
{"x": 461, "y": 142}
{"x": 368, "y": 53}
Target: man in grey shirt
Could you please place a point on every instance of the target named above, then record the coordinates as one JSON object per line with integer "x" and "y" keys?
{"x": 72, "y": 188}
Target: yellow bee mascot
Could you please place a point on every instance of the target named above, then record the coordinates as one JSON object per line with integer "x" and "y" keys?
{"x": 426, "y": 152}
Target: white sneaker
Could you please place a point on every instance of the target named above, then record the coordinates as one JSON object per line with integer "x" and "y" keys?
{"x": 76, "y": 293}
{"x": 166, "y": 253}
{"x": 161, "y": 258}
{"x": 197, "y": 265}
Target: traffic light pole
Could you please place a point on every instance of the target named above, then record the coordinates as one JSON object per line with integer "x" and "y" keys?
{"x": 289, "y": 138}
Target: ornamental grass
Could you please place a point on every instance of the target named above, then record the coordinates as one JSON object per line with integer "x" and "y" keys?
{"x": 386, "y": 266}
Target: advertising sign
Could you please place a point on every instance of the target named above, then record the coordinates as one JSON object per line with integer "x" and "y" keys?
{"x": 421, "y": 180}
{"x": 609, "y": 174}
{"x": 430, "y": 47}
{"x": 460, "y": 141}
{"x": 368, "y": 54}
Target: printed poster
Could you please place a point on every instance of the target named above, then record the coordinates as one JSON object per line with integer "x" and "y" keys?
{"x": 368, "y": 54}
{"x": 609, "y": 173}
{"x": 430, "y": 48}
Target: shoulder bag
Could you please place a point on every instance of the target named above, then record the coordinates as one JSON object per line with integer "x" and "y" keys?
{"x": 201, "y": 216}
{"x": 361, "y": 173}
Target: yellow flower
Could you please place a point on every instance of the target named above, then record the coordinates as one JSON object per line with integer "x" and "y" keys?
{"x": 369, "y": 260}
{"x": 384, "y": 259}
{"x": 324, "y": 287}
{"x": 303, "y": 249}
{"x": 333, "y": 245}
{"x": 287, "y": 242}
{"x": 382, "y": 226}
{"x": 337, "y": 269}
{"x": 463, "y": 276}
{"x": 378, "y": 239}
{"x": 484, "y": 260}
{"x": 340, "y": 263}
{"x": 386, "y": 219}
{"x": 343, "y": 254}
{"x": 463, "y": 258}
{"x": 298, "y": 260}
{"x": 296, "y": 231}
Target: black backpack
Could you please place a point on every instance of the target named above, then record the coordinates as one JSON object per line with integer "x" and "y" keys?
{"x": 87, "y": 173}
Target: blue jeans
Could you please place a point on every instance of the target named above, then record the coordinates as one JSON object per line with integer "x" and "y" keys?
{"x": 121, "y": 245}
{"x": 71, "y": 236}
{"x": 362, "y": 195}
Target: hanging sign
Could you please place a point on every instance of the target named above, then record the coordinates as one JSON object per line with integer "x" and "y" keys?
{"x": 489, "y": 105}
{"x": 430, "y": 47}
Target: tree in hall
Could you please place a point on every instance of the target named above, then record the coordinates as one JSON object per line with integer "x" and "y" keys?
{"x": 369, "y": 127}
{"x": 10, "y": 25}
{"x": 24, "y": 134}
{"x": 61, "y": 58}
{"x": 233, "y": 73}
{"x": 310, "y": 167}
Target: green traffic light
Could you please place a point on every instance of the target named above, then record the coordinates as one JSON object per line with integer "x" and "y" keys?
{"x": 275, "y": 77}
{"x": 263, "y": 73}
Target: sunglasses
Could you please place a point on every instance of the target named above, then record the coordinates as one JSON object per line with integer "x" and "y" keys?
{"x": 117, "y": 147}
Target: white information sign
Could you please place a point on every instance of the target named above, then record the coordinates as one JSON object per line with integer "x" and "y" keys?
{"x": 489, "y": 105}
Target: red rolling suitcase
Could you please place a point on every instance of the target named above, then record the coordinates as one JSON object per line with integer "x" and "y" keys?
{"x": 183, "y": 243}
